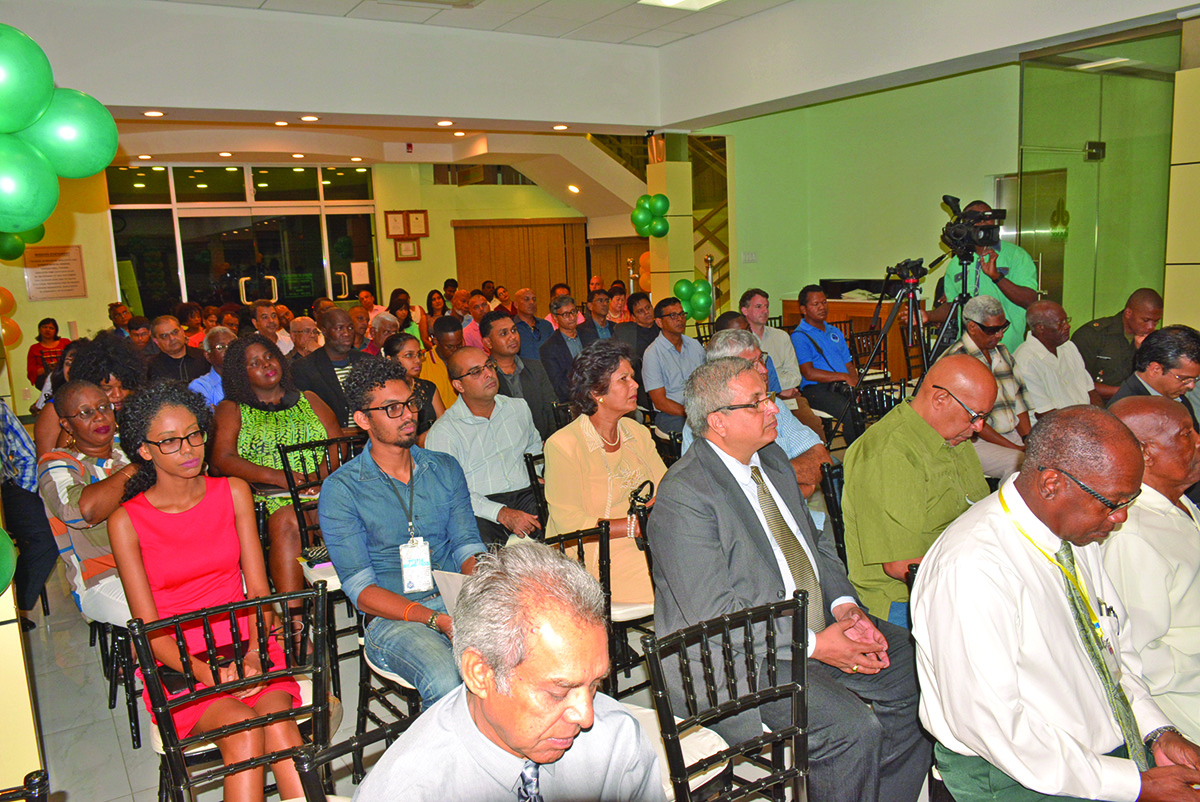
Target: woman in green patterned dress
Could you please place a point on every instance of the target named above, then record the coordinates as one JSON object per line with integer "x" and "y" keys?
{"x": 263, "y": 410}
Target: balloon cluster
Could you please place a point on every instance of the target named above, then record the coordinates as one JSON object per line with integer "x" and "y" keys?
{"x": 649, "y": 216}
{"x": 45, "y": 133}
{"x": 696, "y": 297}
{"x": 10, "y": 332}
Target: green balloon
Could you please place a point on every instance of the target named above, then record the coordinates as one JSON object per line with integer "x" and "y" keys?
{"x": 26, "y": 80}
{"x": 660, "y": 204}
{"x": 77, "y": 134}
{"x": 687, "y": 306}
{"x": 11, "y": 247}
{"x": 700, "y": 306}
{"x": 643, "y": 202}
{"x": 33, "y": 235}
{"x": 702, "y": 287}
{"x": 659, "y": 227}
{"x": 682, "y": 289}
{"x": 28, "y": 185}
{"x": 8, "y": 560}
{"x": 641, "y": 217}
{"x": 642, "y": 231}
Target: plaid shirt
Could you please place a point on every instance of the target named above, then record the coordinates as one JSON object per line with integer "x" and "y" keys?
{"x": 1011, "y": 396}
{"x": 16, "y": 451}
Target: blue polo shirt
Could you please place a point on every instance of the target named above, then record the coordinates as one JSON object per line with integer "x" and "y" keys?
{"x": 532, "y": 337}
{"x": 836, "y": 353}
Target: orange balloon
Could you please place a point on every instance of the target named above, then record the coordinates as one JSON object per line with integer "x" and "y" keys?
{"x": 11, "y": 331}
{"x": 644, "y": 261}
{"x": 644, "y": 280}
{"x": 7, "y": 302}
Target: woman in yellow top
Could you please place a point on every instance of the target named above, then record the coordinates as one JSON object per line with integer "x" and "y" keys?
{"x": 594, "y": 463}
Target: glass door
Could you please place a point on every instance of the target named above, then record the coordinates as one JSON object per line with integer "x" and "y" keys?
{"x": 351, "y": 239}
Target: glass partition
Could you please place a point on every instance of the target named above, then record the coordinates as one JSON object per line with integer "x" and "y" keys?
{"x": 146, "y": 262}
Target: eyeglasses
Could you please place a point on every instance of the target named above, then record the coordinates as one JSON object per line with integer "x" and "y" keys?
{"x": 396, "y": 408}
{"x": 475, "y": 371}
{"x": 975, "y": 416}
{"x": 219, "y": 348}
{"x": 172, "y": 444}
{"x": 993, "y": 330}
{"x": 674, "y": 315}
{"x": 1111, "y": 505}
{"x": 1184, "y": 380}
{"x": 567, "y": 313}
{"x": 87, "y": 413}
{"x": 412, "y": 354}
{"x": 758, "y": 405}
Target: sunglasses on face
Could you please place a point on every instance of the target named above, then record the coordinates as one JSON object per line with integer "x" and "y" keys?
{"x": 992, "y": 331}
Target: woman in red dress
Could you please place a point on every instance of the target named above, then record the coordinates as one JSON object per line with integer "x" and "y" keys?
{"x": 184, "y": 541}
{"x": 45, "y": 353}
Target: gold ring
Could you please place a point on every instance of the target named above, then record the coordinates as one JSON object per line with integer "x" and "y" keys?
{"x": 854, "y": 668}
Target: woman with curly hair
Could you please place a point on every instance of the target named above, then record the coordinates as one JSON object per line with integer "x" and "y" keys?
{"x": 263, "y": 410}
{"x": 436, "y": 306}
{"x": 166, "y": 571}
{"x": 594, "y": 462}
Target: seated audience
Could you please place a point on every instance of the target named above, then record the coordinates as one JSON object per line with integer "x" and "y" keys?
{"x": 533, "y": 330}
{"x": 519, "y": 378}
{"x": 305, "y": 335}
{"x": 81, "y": 485}
{"x": 637, "y": 334}
{"x": 527, "y": 620}
{"x": 1000, "y": 443}
{"x": 167, "y": 570}
{"x": 826, "y": 364}
{"x": 1029, "y": 690}
{"x": 405, "y": 350}
{"x": 489, "y": 434}
{"x": 595, "y": 283}
{"x": 324, "y": 371}
{"x": 1154, "y": 558}
{"x": 285, "y": 315}
{"x": 435, "y": 303}
{"x": 191, "y": 319}
{"x": 477, "y": 305}
{"x": 488, "y": 288}
{"x": 460, "y": 303}
{"x": 45, "y": 352}
{"x": 362, "y": 324}
{"x": 407, "y": 315}
{"x": 667, "y": 363}
{"x": 1048, "y": 363}
{"x": 1107, "y": 344}
{"x": 597, "y": 460}
{"x": 563, "y": 346}
{"x": 383, "y": 325}
{"x": 503, "y": 300}
{"x": 596, "y": 325}
{"x": 618, "y": 311}
{"x": 263, "y": 410}
{"x": 447, "y": 338}
{"x": 24, "y": 515}
{"x": 139, "y": 336}
{"x": 557, "y": 291}
{"x": 209, "y": 385}
{"x": 212, "y": 317}
{"x": 46, "y": 431}
{"x": 1167, "y": 363}
{"x": 366, "y": 299}
{"x": 910, "y": 476}
{"x": 119, "y": 314}
{"x": 755, "y": 305}
{"x": 176, "y": 359}
{"x": 730, "y": 530}
{"x": 800, "y": 444}
{"x": 57, "y": 376}
{"x": 364, "y": 508}
{"x": 266, "y": 322}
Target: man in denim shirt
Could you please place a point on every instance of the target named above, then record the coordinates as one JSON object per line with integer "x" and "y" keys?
{"x": 368, "y": 508}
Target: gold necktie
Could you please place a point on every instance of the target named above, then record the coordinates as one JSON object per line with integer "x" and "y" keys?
{"x": 798, "y": 563}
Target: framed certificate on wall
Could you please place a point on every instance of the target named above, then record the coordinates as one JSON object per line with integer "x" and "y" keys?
{"x": 408, "y": 250}
{"x": 417, "y": 222}
{"x": 395, "y": 224}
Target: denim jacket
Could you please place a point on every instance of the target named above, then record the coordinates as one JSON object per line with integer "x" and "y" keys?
{"x": 364, "y": 525}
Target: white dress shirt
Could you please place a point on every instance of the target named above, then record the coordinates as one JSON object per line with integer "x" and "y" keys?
{"x": 778, "y": 344}
{"x": 1004, "y": 674}
{"x": 1053, "y": 381}
{"x": 1154, "y": 561}
{"x": 741, "y": 474}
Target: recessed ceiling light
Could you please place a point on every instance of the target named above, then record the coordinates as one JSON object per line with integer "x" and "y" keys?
{"x": 262, "y": 172}
{"x": 297, "y": 169}
{"x": 139, "y": 186}
{"x": 144, "y": 156}
{"x": 444, "y": 123}
{"x": 126, "y": 168}
{"x": 155, "y": 169}
{"x": 460, "y": 133}
{"x": 560, "y": 127}
{"x": 297, "y": 155}
{"x": 202, "y": 186}
{"x": 356, "y": 158}
{"x": 324, "y": 182}
{"x": 573, "y": 188}
{"x": 262, "y": 185}
{"x": 152, "y": 114}
{"x": 280, "y": 122}
{"x": 358, "y": 170}
{"x": 225, "y": 154}
{"x": 310, "y": 118}
{"x": 231, "y": 169}
{"x": 141, "y": 175}
{"x": 682, "y": 5}
{"x": 197, "y": 170}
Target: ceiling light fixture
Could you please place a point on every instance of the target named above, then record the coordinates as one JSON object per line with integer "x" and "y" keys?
{"x": 573, "y": 188}
{"x": 297, "y": 155}
{"x": 444, "y": 123}
{"x": 297, "y": 169}
{"x": 309, "y": 118}
{"x": 202, "y": 186}
{"x": 280, "y": 122}
{"x": 358, "y": 170}
{"x": 152, "y": 114}
{"x": 356, "y": 158}
{"x": 139, "y": 186}
{"x": 460, "y": 133}
{"x": 225, "y": 154}
{"x": 682, "y": 5}
{"x": 262, "y": 185}
{"x": 325, "y": 182}
{"x": 231, "y": 169}
{"x": 155, "y": 169}
{"x": 144, "y": 156}
{"x": 1096, "y": 65}
{"x": 560, "y": 127}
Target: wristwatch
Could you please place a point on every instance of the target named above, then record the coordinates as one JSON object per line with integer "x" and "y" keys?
{"x": 1153, "y": 737}
{"x": 432, "y": 622}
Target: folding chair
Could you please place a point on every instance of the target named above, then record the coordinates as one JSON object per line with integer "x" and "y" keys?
{"x": 534, "y": 462}
{"x": 564, "y": 413}
{"x": 311, "y": 761}
{"x": 378, "y": 686}
{"x": 833, "y": 482}
{"x": 669, "y": 445}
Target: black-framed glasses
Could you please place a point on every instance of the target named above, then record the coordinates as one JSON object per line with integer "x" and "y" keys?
{"x": 993, "y": 330}
{"x": 87, "y": 413}
{"x": 1184, "y": 380}
{"x": 758, "y": 405}
{"x": 396, "y": 408}
{"x": 171, "y": 445}
{"x": 491, "y": 365}
{"x": 567, "y": 312}
{"x": 1111, "y": 505}
{"x": 975, "y": 416}
{"x": 674, "y": 315}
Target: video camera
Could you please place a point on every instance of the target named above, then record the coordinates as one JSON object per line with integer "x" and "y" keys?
{"x": 971, "y": 229}
{"x": 909, "y": 271}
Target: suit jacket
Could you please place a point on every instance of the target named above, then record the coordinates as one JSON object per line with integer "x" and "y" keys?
{"x": 557, "y": 359}
{"x": 315, "y": 372}
{"x": 703, "y": 526}
{"x": 1133, "y": 386}
{"x": 536, "y": 391}
{"x": 588, "y": 332}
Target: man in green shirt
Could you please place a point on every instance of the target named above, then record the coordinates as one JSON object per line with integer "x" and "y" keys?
{"x": 910, "y": 476}
{"x": 1107, "y": 344}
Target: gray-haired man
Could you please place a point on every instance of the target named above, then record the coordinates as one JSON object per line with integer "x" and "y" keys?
{"x": 527, "y": 722}
{"x": 209, "y": 385}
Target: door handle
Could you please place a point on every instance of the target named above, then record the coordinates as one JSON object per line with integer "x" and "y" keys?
{"x": 274, "y": 288}
{"x": 345, "y": 284}
{"x": 242, "y": 289}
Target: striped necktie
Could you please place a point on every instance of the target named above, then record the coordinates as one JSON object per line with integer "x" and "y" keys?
{"x": 528, "y": 790}
{"x": 798, "y": 563}
{"x": 1117, "y": 700}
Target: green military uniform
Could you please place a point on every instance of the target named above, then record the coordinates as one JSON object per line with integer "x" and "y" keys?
{"x": 1106, "y": 348}
{"x": 1014, "y": 264}
{"x": 904, "y": 485}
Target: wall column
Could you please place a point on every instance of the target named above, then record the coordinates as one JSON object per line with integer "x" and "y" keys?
{"x": 671, "y": 257}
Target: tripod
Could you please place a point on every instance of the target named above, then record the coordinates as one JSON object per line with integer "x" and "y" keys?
{"x": 952, "y": 323}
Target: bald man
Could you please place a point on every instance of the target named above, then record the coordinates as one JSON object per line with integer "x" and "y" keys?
{"x": 909, "y": 476}
{"x": 1030, "y": 682}
{"x": 1049, "y": 364}
{"x": 1154, "y": 558}
{"x": 1107, "y": 344}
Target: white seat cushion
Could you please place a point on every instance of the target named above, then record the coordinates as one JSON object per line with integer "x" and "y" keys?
{"x": 696, "y": 743}
{"x": 631, "y": 611}
{"x": 322, "y": 573}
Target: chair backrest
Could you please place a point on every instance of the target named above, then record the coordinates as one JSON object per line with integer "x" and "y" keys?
{"x": 704, "y": 331}
{"x": 775, "y": 322}
{"x": 670, "y": 446}
{"x": 571, "y": 544}
{"x": 305, "y": 465}
{"x": 311, "y": 760}
{"x": 846, "y": 327}
{"x": 877, "y": 400}
{"x": 35, "y": 789}
{"x": 304, "y": 620}
{"x": 639, "y": 502}
{"x": 728, "y": 666}
{"x": 532, "y": 463}
{"x": 862, "y": 343}
{"x": 564, "y": 413}
{"x": 833, "y": 481}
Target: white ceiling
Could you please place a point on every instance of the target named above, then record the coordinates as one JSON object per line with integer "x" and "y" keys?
{"x": 613, "y": 21}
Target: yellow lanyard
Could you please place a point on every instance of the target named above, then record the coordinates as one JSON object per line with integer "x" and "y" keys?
{"x": 1070, "y": 575}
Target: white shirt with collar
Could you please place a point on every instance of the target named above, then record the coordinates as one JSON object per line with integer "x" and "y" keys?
{"x": 745, "y": 480}
{"x": 1054, "y": 381}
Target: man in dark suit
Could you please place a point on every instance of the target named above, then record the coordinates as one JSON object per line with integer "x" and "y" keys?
{"x": 1167, "y": 363}
{"x": 519, "y": 378}
{"x": 730, "y": 511}
{"x": 324, "y": 370}
{"x": 596, "y": 326}
{"x": 564, "y": 345}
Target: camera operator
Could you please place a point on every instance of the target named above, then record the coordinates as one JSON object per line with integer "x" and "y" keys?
{"x": 1004, "y": 271}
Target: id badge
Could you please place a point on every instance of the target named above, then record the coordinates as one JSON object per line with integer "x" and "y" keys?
{"x": 1110, "y": 659}
{"x": 416, "y": 566}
